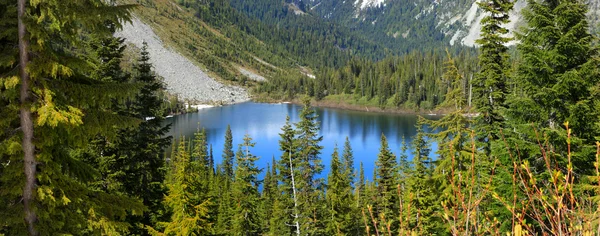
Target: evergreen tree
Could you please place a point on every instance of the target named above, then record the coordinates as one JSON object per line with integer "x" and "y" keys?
{"x": 225, "y": 206}
{"x": 286, "y": 209}
{"x": 228, "y": 154}
{"x": 211, "y": 162}
{"x": 350, "y": 173}
{"x": 404, "y": 166}
{"x": 455, "y": 150}
{"x": 453, "y": 132}
{"x": 558, "y": 81}
{"x": 339, "y": 199}
{"x": 348, "y": 162}
{"x": 246, "y": 218}
{"x": 45, "y": 79}
{"x": 266, "y": 200}
{"x": 144, "y": 145}
{"x": 387, "y": 170}
{"x": 309, "y": 187}
{"x": 190, "y": 213}
{"x": 490, "y": 84}
{"x": 426, "y": 219}
{"x": 360, "y": 186}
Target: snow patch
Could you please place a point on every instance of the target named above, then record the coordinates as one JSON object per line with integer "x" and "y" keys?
{"x": 455, "y": 37}
{"x": 368, "y": 3}
{"x": 471, "y": 13}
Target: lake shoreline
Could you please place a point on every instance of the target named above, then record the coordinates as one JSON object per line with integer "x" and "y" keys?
{"x": 353, "y": 107}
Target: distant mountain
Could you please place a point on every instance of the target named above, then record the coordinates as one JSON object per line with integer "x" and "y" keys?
{"x": 417, "y": 22}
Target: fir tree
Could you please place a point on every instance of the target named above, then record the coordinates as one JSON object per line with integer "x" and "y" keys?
{"x": 190, "y": 213}
{"x": 360, "y": 186}
{"x": 387, "y": 169}
{"x": 348, "y": 162}
{"x": 144, "y": 145}
{"x": 211, "y": 162}
{"x": 490, "y": 84}
{"x": 246, "y": 218}
{"x": 309, "y": 188}
{"x": 404, "y": 166}
{"x": 228, "y": 154}
{"x": 339, "y": 199}
{"x": 557, "y": 78}
{"x": 39, "y": 62}
{"x": 286, "y": 209}
{"x": 424, "y": 203}
{"x": 453, "y": 130}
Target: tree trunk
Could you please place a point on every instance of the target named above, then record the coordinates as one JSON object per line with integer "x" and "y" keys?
{"x": 26, "y": 123}
{"x": 296, "y": 223}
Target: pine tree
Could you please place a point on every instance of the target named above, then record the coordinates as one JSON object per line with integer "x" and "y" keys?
{"x": 348, "y": 162}
{"x": 309, "y": 166}
{"x": 211, "y": 162}
{"x": 490, "y": 84}
{"x": 143, "y": 146}
{"x": 339, "y": 199}
{"x": 42, "y": 61}
{"x": 453, "y": 128}
{"x": 200, "y": 156}
{"x": 455, "y": 150}
{"x": 557, "y": 78}
{"x": 387, "y": 170}
{"x": 225, "y": 206}
{"x": 424, "y": 203}
{"x": 228, "y": 154}
{"x": 190, "y": 213}
{"x": 266, "y": 200}
{"x": 404, "y": 166}
{"x": 360, "y": 186}
{"x": 350, "y": 173}
{"x": 286, "y": 209}
{"x": 246, "y": 218}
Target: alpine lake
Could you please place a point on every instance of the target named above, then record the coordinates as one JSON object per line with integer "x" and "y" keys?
{"x": 263, "y": 122}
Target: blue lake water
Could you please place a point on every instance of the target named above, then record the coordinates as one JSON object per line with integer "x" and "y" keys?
{"x": 263, "y": 123}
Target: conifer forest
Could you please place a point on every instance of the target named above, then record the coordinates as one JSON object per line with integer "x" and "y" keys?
{"x": 84, "y": 148}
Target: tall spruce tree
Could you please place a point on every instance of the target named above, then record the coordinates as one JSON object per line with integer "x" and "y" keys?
{"x": 246, "y": 218}
{"x": 387, "y": 174}
{"x": 228, "y": 154}
{"x": 309, "y": 187}
{"x": 426, "y": 208}
{"x": 348, "y": 162}
{"x": 490, "y": 84}
{"x": 144, "y": 145}
{"x": 453, "y": 132}
{"x": 558, "y": 79}
{"x": 339, "y": 199}
{"x": 48, "y": 82}
{"x": 286, "y": 209}
{"x": 190, "y": 213}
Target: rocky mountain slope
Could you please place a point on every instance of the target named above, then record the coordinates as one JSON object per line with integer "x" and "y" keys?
{"x": 181, "y": 76}
{"x": 450, "y": 21}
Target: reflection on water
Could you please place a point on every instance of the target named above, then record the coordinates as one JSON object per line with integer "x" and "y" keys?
{"x": 263, "y": 123}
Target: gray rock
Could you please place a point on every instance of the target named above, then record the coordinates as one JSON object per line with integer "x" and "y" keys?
{"x": 181, "y": 76}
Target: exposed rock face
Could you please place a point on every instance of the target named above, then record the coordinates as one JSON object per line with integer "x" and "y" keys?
{"x": 181, "y": 76}
{"x": 452, "y": 21}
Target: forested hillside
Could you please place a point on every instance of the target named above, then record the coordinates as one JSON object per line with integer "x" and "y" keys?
{"x": 82, "y": 137}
